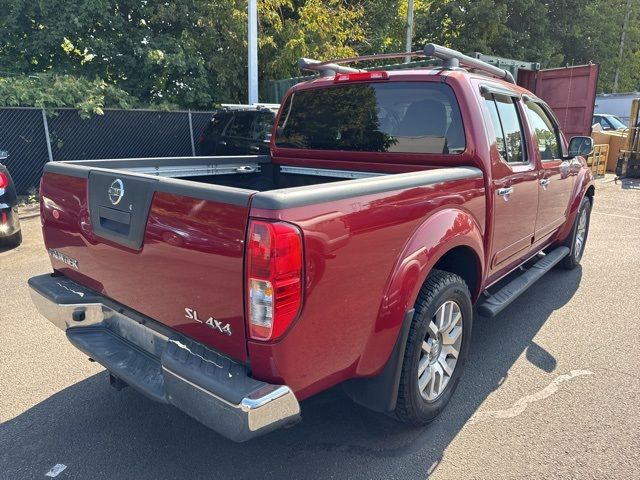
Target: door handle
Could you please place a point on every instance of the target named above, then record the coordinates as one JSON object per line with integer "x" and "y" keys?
{"x": 505, "y": 192}
{"x": 222, "y": 142}
{"x": 254, "y": 148}
{"x": 545, "y": 182}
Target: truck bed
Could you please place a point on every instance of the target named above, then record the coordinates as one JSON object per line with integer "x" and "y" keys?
{"x": 250, "y": 172}
{"x": 170, "y": 238}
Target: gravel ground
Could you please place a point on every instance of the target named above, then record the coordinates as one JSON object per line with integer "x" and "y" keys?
{"x": 551, "y": 390}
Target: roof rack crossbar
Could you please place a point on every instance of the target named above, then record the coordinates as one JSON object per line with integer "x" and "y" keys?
{"x": 450, "y": 58}
{"x": 252, "y": 106}
{"x": 453, "y": 58}
{"x": 326, "y": 69}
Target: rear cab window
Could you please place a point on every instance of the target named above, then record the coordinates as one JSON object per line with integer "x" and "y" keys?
{"x": 401, "y": 117}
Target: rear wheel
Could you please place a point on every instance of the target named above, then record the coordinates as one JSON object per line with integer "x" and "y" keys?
{"x": 578, "y": 238}
{"x": 436, "y": 349}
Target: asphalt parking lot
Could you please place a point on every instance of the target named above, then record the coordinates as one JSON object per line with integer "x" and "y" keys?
{"x": 551, "y": 389}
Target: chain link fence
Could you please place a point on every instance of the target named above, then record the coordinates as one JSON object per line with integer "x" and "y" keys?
{"x": 32, "y": 137}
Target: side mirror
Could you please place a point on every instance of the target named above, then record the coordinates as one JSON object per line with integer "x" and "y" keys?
{"x": 580, "y": 147}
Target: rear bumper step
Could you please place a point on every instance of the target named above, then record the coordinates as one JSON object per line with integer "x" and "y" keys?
{"x": 500, "y": 300}
{"x": 164, "y": 366}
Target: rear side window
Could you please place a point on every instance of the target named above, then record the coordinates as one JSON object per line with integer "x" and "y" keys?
{"x": 545, "y": 130}
{"x": 507, "y": 126}
{"x": 408, "y": 117}
{"x": 241, "y": 125}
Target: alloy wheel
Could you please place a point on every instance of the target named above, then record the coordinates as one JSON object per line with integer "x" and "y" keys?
{"x": 581, "y": 233}
{"x": 440, "y": 350}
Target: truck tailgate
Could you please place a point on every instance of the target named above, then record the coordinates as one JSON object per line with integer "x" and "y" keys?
{"x": 169, "y": 249}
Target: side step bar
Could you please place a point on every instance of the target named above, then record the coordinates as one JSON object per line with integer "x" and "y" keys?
{"x": 500, "y": 300}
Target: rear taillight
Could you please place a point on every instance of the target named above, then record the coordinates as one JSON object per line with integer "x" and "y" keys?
{"x": 274, "y": 278}
{"x": 4, "y": 180}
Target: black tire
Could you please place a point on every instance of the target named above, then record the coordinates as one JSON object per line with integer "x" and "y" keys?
{"x": 11, "y": 241}
{"x": 572, "y": 260}
{"x": 440, "y": 287}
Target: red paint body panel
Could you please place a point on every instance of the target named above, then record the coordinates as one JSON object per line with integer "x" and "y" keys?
{"x": 364, "y": 261}
{"x": 366, "y": 256}
{"x": 192, "y": 256}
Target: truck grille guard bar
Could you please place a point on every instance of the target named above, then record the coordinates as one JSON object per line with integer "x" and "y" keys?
{"x": 451, "y": 59}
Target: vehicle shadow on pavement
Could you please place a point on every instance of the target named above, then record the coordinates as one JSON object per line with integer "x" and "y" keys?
{"x": 100, "y": 433}
{"x": 4, "y": 249}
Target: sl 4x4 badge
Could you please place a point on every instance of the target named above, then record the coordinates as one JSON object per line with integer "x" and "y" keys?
{"x": 211, "y": 322}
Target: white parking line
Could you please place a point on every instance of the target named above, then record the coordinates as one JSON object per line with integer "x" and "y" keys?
{"x": 521, "y": 404}
{"x": 55, "y": 470}
{"x": 619, "y": 216}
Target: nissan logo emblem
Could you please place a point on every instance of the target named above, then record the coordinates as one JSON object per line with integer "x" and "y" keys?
{"x": 116, "y": 191}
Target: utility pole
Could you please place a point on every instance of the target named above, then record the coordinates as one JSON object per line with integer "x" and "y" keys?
{"x": 616, "y": 75}
{"x": 253, "y": 51}
{"x": 409, "y": 41}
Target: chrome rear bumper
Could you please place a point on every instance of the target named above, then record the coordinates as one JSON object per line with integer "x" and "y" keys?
{"x": 163, "y": 365}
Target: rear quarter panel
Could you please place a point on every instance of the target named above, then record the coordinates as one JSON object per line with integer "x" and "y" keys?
{"x": 365, "y": 259}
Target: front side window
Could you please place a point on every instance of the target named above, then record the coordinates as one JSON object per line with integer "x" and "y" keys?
{"x": 507, "y": 127}
{"x": 616, "y": 123}
{"x": 409, "y": 117}
{"x": 603, "y": 123}
{"x": 262, "y": 127}
{"x": 545, "y": 130}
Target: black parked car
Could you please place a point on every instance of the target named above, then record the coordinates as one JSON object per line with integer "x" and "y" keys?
{"x": 10, "y": 233}
{"x": 239, "y": 130}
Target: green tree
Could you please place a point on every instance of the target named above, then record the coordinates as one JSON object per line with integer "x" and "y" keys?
{"x": 321, "y": 29}
{"x": 55, "y": 91}
{"x": 558, "y": 33}
{"x": 152, "y": 49}
{"x": 193, "y": 53}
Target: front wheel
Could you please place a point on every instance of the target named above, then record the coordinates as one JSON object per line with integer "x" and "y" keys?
{"x": 436, "y": 350}
{"x": 578, "y": 238}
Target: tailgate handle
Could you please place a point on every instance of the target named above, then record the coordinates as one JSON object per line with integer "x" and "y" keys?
{"x": 114, "y": 220}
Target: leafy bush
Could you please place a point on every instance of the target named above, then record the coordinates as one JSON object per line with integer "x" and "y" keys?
{"x": 57, "y": 91}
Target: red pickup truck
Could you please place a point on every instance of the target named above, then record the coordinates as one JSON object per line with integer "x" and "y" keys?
{"x": 235, "y": 287}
